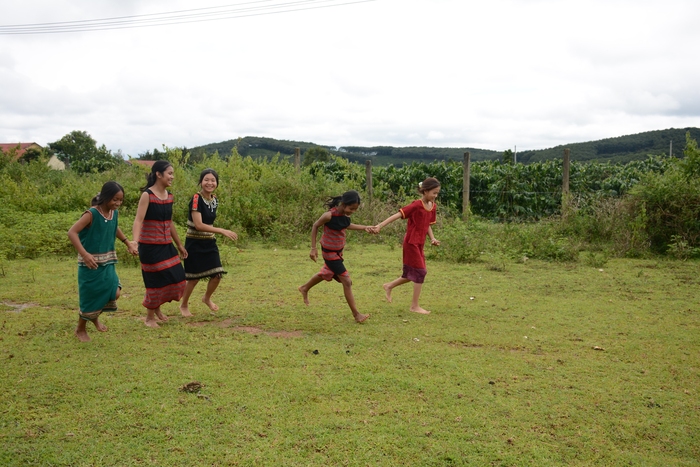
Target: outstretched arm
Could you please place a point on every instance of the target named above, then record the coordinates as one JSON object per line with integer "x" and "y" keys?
{"x": 386, "y": 221}
{"x": 359, "y": 227}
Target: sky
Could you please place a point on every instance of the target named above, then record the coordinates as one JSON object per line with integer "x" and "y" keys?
{"x": 497, "y": 74}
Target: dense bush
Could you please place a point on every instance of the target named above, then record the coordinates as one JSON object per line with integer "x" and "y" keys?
{"x": 613, "y": 209}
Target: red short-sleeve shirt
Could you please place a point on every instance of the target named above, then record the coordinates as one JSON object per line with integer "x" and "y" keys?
{"x": 419, "y": 219}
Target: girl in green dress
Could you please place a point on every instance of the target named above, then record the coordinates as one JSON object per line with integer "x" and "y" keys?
{"x": 93, "y": 237}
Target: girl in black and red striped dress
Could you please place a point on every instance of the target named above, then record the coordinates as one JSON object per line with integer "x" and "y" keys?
{"x": 161, "y": 269}
{"x": 335, "y": 221}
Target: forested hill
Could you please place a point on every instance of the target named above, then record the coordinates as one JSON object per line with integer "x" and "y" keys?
{"x": 619, "y": 149}
{"x": 380, "y": 155}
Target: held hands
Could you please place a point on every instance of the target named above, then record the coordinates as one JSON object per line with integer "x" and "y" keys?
{"x": 132, "y": 247}
{"x": 373, "y": 229}
{"x": 313, "y": 254}
{"x": 435, "y": 241}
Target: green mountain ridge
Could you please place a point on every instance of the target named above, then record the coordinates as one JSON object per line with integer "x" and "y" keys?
{"x": 619, "y": 149}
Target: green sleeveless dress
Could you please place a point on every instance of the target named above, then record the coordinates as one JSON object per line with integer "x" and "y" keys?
{"x": 97, "y": 288}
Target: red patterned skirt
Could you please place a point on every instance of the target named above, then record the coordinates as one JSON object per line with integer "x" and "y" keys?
{"x": 163, "y": 274}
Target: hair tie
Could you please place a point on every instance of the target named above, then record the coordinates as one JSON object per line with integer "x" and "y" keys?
{"x": 420, "y": 184}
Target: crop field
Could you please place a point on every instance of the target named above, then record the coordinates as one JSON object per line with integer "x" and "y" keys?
{"x": 531, "y": 364}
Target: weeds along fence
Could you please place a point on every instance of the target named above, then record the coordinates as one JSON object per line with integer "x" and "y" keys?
{"x": 279, "y": 200}
{"x": 497, "y": 190}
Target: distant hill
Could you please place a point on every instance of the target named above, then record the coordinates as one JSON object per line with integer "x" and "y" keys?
{"x": 619, "y": 149}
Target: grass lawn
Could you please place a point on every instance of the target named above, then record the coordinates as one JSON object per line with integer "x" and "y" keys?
{"x": 540, "y": 364}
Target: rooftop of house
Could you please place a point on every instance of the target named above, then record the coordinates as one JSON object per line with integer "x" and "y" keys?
{"x": 20, "y": 148}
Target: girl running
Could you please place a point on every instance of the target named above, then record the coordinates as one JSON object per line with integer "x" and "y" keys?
{"x": 421, "y": 215}
{"x": 203, "y": 261}
{"x": 334, "y": 222}
{"x": 93, "y": 237}
{"x": 161, "y": 269}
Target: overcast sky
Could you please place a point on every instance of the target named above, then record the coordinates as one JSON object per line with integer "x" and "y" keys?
{"x": 490, "y": 74}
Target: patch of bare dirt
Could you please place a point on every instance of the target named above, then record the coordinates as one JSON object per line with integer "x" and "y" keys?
{"x": 18, "y": 307}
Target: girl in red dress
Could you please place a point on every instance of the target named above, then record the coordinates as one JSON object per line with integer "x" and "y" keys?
{"x": 334, "y": 223}
{"x": 421, "y": 216}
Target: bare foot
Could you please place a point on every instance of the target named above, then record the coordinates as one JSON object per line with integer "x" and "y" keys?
{"x": 212, "y": 306}
{"x": 360, "y": 318}
{"x": 304, "y": 293}
{"x": 152, "y": 323}
{"x": 420, "y": 310}
{"x": 185, "y": 310}
{"x": 161, "y": 316}
{"x": 100, "y": 327}
{"x": 82, "y": 335}
{"x": 387, "y": 289}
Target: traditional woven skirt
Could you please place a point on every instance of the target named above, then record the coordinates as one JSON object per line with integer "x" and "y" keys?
{"x": 203, "y": 260}
{"x": 162, "y": 273}
{"x": 97, "y": 289}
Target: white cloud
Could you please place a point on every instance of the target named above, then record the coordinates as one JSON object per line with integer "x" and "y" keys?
{"x": 531, "y": 73}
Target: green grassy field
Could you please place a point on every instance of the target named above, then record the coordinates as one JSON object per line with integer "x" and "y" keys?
{"x": 540, "y": 364}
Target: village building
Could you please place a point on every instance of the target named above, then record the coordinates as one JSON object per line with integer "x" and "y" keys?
{"x": 17, "y": 150}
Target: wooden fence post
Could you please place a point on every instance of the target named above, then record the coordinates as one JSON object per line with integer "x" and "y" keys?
{"x": 297, "y": 159}
{"x": 565, "y": 173}
{"x": 565, "y": 194}
{"x": 465, "y": 186}
{"x": 368, "y": 176}
{"x": 370, "y": 190}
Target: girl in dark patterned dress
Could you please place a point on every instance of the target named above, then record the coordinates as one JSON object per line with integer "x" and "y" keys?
{"x": 93, "y": 239}
{"x": 421, "y": 216}
{"x": 203, "y": 261}
{"x": 334, "y": 222}
{"x": 161, "y": 269}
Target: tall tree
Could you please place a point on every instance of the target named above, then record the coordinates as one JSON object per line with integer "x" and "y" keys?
{"x": 80, "y": 151}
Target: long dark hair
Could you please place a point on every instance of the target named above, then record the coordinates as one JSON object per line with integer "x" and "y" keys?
{"x": 107, "y": 193}
{"x": 152, "y": 177}
{"x": 347, "y": 198}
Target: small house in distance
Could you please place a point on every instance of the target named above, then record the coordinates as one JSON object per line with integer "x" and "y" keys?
{"x": 17, "y": 150}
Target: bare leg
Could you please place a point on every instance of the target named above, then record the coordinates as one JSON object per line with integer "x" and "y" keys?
{"x": 100, "y": 326}
{"x": 151, "y": 318}
{"x": 350, "y": 298}
{"x": 304, "y": 289}
{"x": 390, "y": 285}
{"x": 211, "y": 287}
{"x": 184, "y": 303}
{"x": 160, "y": 315}
{"x": 81, "y": 332}
{"x": 415, "y": 307}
